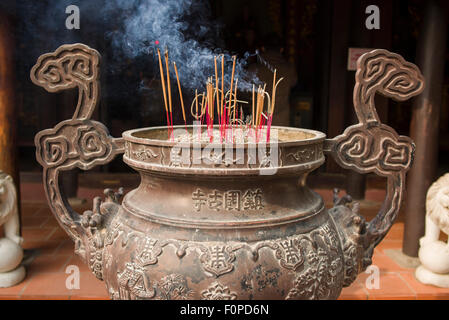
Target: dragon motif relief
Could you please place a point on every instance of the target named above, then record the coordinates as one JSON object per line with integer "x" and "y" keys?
{"x": 303, "y": 155}
{"x": 134, "y": 284}
{"x": 174, "y": 287}
{"x": 322, "y": 263}
{"x": 144, "y": 154}
{"x": 303, "y": 254}
{"x": 93, "y": 222}
{"x": 113, "y": 232}
{"x": 352, "y": 229}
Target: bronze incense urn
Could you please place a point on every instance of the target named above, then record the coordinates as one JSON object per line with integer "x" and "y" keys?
{"x": 202, "y": 225}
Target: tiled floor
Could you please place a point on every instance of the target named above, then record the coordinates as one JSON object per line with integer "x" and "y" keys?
{"x": 52, "y": 252}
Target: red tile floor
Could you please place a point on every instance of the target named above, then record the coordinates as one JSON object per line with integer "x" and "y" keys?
{"x": 52, "y": 252}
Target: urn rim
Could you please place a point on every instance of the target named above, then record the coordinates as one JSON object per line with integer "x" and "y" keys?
{"x": 130, "y": 135}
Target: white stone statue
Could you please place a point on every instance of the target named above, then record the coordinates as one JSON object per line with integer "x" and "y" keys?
{"x": 11, "y": 253}
{"x": 433, "y": 253}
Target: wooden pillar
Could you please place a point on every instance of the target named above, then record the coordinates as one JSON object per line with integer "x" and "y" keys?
{"x": 424, "y": 126}
{"x": 341, "y": 26}
{"x": 8, "y": 117}
{"x": 322, "y": 66}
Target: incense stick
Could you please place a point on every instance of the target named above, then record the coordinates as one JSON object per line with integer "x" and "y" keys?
{"x": 232, "y": 81}
{"x": 269, "y": 102}
{"x": 209, "y": 105}
{"x": 262, "y": 101}
{"x": 222, "y": 83}
{"x": 273, "y": 97}
{"x": 235, "y": 96}
{"x": 163, "y": 86}
{"x": 202, "y": 104}
{"x": 196, "y": 102}
{"x": 216, "y": 87}
{"x": 180, "y": 94}
{"x": 227, "y": 103}
{"x": 259, "y": 106}
{"x": 211, "y": 101}
{"x": 169, "y": 89}
{"x": 272, "y": 91}
{"x": 252, "y": 115}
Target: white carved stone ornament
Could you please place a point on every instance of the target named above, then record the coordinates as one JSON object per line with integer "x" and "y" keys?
{"x": 433, "y": 253}
{"x": 11, "y": 253}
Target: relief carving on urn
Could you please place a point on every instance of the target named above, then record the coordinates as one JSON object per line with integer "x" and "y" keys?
{"x": 227, "y": 230}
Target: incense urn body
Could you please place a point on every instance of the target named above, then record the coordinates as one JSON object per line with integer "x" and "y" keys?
{"x": 224, "y": 221}
{"x": 217, "y": 229}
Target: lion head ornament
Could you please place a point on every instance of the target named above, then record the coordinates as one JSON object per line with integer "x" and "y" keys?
{"x": 9, "y": 217}
{"x": 437, "y": 203}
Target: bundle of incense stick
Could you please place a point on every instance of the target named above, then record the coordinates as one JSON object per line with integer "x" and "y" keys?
{"x": 215, "y": 100}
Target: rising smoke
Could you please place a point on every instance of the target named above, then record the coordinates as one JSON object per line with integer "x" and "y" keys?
{"x": 132, "y": 28}
{"x": 176, "y": 25}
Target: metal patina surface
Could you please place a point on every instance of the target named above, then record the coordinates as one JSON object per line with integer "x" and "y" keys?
{"x": 223, "y": 228}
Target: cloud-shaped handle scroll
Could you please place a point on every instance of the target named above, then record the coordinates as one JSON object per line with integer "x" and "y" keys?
{"x": 71, "y": 66}
{"x": 389, "y": 74}
{"x": 66, "y": 68}
{"x": 378, "y": 149}
{"x": 83, "y": 144}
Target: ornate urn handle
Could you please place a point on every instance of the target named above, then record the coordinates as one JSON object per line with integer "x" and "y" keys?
{"x": 371, "y": 146}
{"x": 75, "y": 143}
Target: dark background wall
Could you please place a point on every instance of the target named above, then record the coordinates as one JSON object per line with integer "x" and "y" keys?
{"x": 315, "y": 36}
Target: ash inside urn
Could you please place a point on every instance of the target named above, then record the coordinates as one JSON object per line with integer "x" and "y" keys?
{"x": 235, "y": 135}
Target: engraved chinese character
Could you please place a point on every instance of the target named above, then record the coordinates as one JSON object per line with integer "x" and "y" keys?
{"x": 215, "y": 201}
{"x": 253, "y": 200}
{"x": 199, "y": 198}
{"x": 292, "y": 255}
{"x": 289, "y": 254}
{"x": 258, "y": 200}
{"x": 232, "y": 200}
{"x": 218, "y": 258}
{"x": 175, "y": 157}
